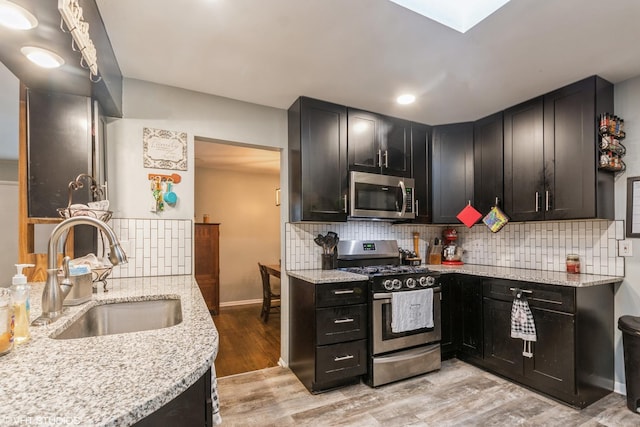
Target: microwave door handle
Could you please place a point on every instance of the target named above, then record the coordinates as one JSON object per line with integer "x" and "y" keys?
{"x": 404, "y": 198}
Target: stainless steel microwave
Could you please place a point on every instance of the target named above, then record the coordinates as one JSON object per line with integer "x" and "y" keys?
{"x": 381, "y": 196}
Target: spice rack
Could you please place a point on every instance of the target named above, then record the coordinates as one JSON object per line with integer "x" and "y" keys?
{"x": 611, "y": 133}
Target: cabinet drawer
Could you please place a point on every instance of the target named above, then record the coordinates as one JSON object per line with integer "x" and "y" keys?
{"x": 551, "y": 297}
{"x": 343, "y": 293}
{"x": 338, "y": 324}
{"x": 340, "y": 361}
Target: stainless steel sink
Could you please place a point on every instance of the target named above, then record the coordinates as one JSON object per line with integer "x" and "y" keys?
{"x": 123, "y": 317}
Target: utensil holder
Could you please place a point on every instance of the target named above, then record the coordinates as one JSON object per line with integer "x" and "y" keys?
{"x": 327, "y": 262}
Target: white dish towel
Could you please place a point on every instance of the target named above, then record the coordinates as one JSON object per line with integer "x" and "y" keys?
{"x": 411, "y": 310}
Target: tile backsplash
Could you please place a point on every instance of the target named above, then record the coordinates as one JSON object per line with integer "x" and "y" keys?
{"x": 531, "y": 245}
{"x": 154, "y": 247}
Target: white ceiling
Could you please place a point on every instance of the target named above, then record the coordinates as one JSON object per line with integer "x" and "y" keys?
{"x": 222, "y": 155}
{"x": 363, "y": 53}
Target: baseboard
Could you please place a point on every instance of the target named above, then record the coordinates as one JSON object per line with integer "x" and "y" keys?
{"x": 282, "y": 363}
{"x": 244, "y": 302}
{"x": 620, "y": 388}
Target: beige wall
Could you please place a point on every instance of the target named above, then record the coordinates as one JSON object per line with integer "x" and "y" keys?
{"x": 244, "y": 205}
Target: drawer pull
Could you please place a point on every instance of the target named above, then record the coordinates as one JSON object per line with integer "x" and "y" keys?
{"x": 524, "y": 291}
{"x": 343, "y": 291}
{"x": 341, "y": 358}
{"x": 346, "y": 320}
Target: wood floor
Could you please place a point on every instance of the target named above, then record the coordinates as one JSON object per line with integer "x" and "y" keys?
{"x": 457, "y": 395}
{"x": 246, "y": 342}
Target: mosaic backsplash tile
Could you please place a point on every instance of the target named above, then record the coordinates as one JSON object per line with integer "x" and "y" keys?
{"x": 154, "y": 247}
{"x": 531, "y": 245}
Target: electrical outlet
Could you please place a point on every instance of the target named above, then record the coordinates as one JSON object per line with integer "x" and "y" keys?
{"x": 625, "y": 248}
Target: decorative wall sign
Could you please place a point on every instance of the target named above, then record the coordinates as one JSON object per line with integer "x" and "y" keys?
{"x": 164, "y": 149}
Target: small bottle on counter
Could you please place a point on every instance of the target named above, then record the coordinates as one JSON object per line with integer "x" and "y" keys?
{"x": 435, "y": 256}
{"x": 6, "y": 321}
{"x": 573, "y": 264}
{"x": 21, "y": 305}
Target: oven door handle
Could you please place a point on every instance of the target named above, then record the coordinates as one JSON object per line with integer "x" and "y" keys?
{"x": 387, "y": 295}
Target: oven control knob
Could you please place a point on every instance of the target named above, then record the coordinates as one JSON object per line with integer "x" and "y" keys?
{"x": 410, "y": 282}
{"x": 427, "y": 281}
{"x": 387, "y": 285}
{"x": 397, "y": 284}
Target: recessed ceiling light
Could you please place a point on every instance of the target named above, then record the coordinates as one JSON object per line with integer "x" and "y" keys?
{"x": 16, "y": 17}
{"x": 405, "y": 99}
{"x": 42, "y": 57}
{"x": 461, "y": 15}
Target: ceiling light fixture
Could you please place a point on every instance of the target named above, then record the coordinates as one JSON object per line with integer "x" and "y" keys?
{"x": 405, "y": 99}
{"x": 16, "y": 17}
{"x": 42, "y": 57}
{"x": 461, "y": 15}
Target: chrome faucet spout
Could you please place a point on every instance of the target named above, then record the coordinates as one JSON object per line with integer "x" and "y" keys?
{"x": 54, "y": 292}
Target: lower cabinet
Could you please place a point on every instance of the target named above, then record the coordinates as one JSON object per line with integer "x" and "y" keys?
{"x": 461, "y": 317}
{"x": 328, "y": 333}
{"x": 193, "y": 407}
{"x": 573, "y": 355}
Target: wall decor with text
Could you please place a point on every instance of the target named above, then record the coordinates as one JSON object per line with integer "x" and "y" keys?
{"x": 164, "y": 149}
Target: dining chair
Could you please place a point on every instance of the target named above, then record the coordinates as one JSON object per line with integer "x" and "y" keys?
{"x": 270, "y": 300}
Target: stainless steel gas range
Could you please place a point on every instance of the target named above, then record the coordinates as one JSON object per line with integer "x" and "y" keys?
{"x": 404, "y": 310}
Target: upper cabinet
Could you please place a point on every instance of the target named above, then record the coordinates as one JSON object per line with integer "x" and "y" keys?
{"x": 550, "y": 148}
{"x": 420, "y": 140}
{"x": 487, "y": 165}
{"x": 318, "y": 180}
{"x": 452, "y": 170}
{"x": 379, "y": 144}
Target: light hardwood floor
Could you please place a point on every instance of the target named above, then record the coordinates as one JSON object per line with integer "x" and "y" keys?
{"x": 457, "y": 395}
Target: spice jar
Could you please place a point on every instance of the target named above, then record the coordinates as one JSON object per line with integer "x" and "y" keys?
{"x": 6, "y": 321}
{"x": 573, "y": 263}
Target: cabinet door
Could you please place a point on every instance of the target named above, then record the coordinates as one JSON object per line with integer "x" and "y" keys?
{"x": 553, "y": 363}
{"x": 471, "y": 341}
{"x": 420, "y": 135}
{"x": 570, "y": 151}
{"x": 318, "y": 161}
{"x": 488, "y": 163}
{"x": 365, "y": 152}
{"x": 501, "y": 352}
{"x": 452, "y": 171}
{"x": 524, "y": 161}
{"x": 396, "y": 147}
{"x": 448, "y": 317}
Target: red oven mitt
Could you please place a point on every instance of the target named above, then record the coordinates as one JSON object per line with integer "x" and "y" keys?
{"x": 469, "y": 215}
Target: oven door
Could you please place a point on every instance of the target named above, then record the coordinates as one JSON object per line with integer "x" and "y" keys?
{"x": 381, "y": 196}
{"x": 383, "y": 340}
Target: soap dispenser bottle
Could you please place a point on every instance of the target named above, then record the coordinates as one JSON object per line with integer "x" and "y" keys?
{"x": 21, "y": 305}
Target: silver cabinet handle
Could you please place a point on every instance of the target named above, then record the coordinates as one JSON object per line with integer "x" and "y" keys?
{"x": 386, "y": 158}
{"x": 345, "y": 203}
{"x": 497, "y": 202}
{"x": 524, "y": 291}
{"x": 379, "y": 158}
{"x": 537, "y": 202}
{"x": 343, "y": 291}
{"x": 347, "y": 320}
{"x": 547, "y": 205}
{"x": 341, "y": 358}
{"x": 417, "y": 207}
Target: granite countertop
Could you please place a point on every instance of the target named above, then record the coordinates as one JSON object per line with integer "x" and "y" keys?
{"x": 112, "y": 380}
{"x": 537, "y": 276}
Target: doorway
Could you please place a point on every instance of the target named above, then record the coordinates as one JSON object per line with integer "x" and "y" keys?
{"x": 236, "y": 185}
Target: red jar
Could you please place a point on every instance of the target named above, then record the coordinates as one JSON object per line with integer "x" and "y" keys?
{"x": 573, "y": 264}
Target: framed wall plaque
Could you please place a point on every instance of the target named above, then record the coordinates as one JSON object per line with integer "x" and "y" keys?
{"x": 633, "y": 206}
{"x": 164, "y": 149}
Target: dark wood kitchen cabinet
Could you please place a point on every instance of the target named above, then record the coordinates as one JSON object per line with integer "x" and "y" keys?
{"x": 421, "y": 159}
{"x": 573, "y": 356}
{"x": 318, "y": 180}
{"x": 379, "y": 144}
{"x": 328, "y": 333}
{"x": 461, "y": 317}
{"x": 550, "y": 155}
{"x": 207, "y": 263}
{"x": 448, "y": 319}
{"x": 452, "y": 171}
{"x": 488, "y": 163}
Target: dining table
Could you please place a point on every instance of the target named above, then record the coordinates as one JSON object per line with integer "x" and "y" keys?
{"x": 273, "y": 269}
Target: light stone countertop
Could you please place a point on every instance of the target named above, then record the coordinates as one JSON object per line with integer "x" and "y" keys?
{"x": 521, "y": 274}
{"x": 111, "y": 380}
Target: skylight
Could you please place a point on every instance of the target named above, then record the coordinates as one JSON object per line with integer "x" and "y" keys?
{"x": 461, "y": 15}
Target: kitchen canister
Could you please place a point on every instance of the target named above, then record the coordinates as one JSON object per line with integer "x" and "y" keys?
{"x": 573, "y": 264}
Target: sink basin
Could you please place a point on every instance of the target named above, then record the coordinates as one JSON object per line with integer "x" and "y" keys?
{"x": 123, "y": 317}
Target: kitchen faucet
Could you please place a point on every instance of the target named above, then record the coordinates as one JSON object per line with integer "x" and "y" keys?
{"x": 54, "y": 292}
